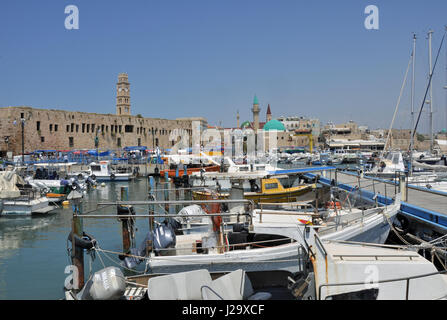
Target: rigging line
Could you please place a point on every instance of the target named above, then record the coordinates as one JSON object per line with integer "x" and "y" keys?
{"x": 428, "y": 86}
{"x": 397, "y": 105}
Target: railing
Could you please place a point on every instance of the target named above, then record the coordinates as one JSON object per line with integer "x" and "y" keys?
{"x": 406, "y": 279}
{"x": 170, "y": 202}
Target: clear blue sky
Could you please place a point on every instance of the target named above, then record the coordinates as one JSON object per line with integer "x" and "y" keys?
{"x": 210, "y": 57}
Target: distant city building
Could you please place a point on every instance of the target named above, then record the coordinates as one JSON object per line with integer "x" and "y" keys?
{"x": 289, "y": 132}
{"x": 301, "y": 124}
{"x": 67, "y": 130}
{"x": 123, "y": 95}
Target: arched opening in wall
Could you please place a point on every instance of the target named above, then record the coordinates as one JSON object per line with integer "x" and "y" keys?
{"x": 156, "y": 142}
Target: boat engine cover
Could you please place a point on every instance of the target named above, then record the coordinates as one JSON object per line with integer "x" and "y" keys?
{"x": 107, "y": 284}
{"x": 164, "y": 237}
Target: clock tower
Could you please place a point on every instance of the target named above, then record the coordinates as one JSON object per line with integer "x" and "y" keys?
{"x": 123, "y": 95}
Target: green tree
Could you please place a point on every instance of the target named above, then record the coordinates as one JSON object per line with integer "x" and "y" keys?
{"x": 420, "y": 137}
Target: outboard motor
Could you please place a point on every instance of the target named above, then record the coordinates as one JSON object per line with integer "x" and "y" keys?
{"x": 163, "y": 237}
{"x": 90, "y": 182}
{"x": 75, "y": 185}
{"x": 105, "y": 284}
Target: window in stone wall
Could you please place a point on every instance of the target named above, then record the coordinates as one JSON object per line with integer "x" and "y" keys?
{"x": 68, "y": 127}
{"x": 102, "y": 128}
{"x": 93, "y": 127}
{"x": 128, "y": 128}
{"x": 71, "y": 142}
{"x": 139, "y": 142}
{"x": 72, "y": 127}
{"x": 55, "y": 127}
{"x": 88, "y": 127}
{"x": 51, "y": 127}
{"x": 119, "y": 128}
{"x": 118, "y": 142}
{"x": 107, "y": 128}
{"x": 83, "y": 127}
{"x": 77, "y": 128}
{"x": 42, "y": 139}
{"x": 37, "y": 125}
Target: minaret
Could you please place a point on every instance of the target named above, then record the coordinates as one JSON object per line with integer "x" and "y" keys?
{"x": 237, "y": 117}
{"x": 123, "y": 95}
{"x": 255, "y": 111}
{"x": 268, "y": 116}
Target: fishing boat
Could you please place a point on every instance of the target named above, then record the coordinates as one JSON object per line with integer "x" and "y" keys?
{"x": 20, "y": 199}
{"x": 103, "y": 171}
{"x": 271, "y": 191}
{"x": 191, "y": 168}
{"x": 264, "y": 242}
{"x": 185, "y": 164}
{"x": 341, "y": 270}
{"x": 388, "y": 166}
{"x": 327, "y": 270}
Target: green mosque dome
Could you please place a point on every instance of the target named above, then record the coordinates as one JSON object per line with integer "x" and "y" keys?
{"x": 245, "y": 124}
{"x": 274, "y": 125}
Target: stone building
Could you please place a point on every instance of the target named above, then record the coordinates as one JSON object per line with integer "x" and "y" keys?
{"x": 68, "y": 130}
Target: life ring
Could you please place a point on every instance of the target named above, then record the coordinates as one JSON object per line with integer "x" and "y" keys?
{"x": 112, "y": 176}
{"x": 85, "y": 242}
{"x": 332, "y": 205}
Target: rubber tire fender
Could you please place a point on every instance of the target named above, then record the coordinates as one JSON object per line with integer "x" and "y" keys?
{"x": 82, "y": 242}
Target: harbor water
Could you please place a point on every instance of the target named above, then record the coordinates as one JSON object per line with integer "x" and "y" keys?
{"x": 33, "y": 250}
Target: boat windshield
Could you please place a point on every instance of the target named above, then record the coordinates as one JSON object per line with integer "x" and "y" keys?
{"x": 273, "y": 185}
{"x": 95, "y": 168}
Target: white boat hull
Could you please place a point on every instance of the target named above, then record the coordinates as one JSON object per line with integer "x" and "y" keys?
{"x": 373, "y": 229}
{"x": 25, "y": 207}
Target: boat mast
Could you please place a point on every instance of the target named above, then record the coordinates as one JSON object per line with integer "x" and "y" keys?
{"x": 412, "y": 103}
{"x": 445, "y": 87}
{"x": 430, "y": 32}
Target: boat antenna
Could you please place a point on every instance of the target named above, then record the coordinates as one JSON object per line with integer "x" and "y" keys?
{"x": 428, "y": 85}
{"x": 430, "y": 32}
{"x": 412, "y": 104}
{"x": 397, "y": 105}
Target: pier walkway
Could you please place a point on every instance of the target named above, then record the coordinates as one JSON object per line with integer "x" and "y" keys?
{"x": 426, "y": 206}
